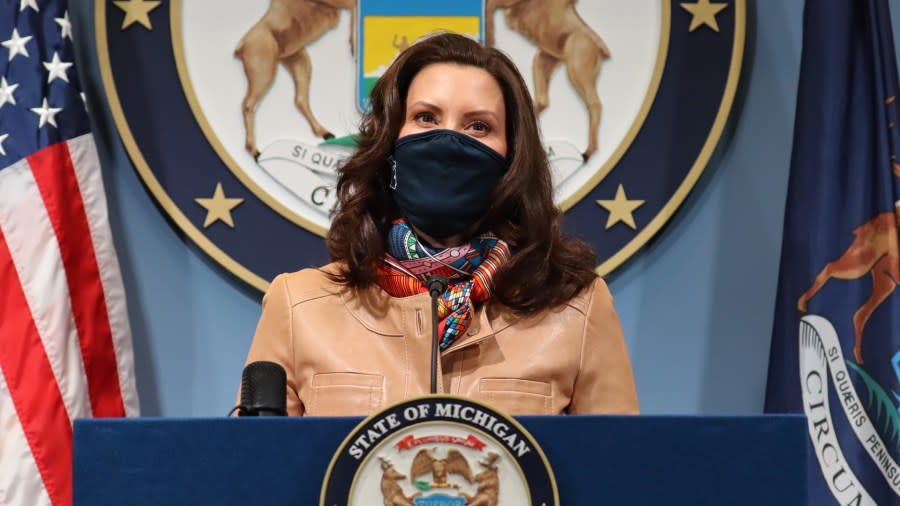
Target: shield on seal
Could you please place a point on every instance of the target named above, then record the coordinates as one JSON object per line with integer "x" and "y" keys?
{"x": 387, "y": 27}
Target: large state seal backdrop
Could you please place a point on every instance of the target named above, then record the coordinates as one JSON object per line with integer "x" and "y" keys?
{"x": 618, "y": 199}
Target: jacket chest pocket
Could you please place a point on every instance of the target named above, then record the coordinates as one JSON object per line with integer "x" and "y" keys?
{"x": 516, "y": 396}
{"x": 346, "y": 394}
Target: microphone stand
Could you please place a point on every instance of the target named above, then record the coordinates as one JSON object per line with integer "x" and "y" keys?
{"x": 436, "y": 286}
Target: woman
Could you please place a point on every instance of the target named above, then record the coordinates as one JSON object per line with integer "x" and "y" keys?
{"x": 449, "y": 180}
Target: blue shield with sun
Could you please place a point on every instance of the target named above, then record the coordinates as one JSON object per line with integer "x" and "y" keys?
{"x": 387, "y": 27}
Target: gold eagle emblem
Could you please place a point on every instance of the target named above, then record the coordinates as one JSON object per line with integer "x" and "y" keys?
{"x": 440, "y": 469}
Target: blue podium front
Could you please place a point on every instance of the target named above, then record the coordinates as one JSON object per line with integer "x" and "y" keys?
{"x": 597, "y": 460}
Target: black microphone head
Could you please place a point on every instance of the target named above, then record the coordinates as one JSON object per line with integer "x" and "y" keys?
{"x": 263, "y": 390}
{"x": 436, "y": 285}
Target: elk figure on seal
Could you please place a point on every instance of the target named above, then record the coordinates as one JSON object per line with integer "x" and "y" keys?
{"x": 281, "y": 36}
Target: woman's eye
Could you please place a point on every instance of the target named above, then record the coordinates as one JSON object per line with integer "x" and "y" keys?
{"x": 426, "y": 117}
{"x": 480, "y": 126}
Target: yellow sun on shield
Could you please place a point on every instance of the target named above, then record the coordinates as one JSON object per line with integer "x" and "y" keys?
{"x": 384, "y": 34}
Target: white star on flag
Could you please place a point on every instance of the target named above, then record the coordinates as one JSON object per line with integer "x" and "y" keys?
{"x": 57, "y": 68}
{"x": 47, "y": 113}
{"x": 28, "y": 3}
{"x": 16, "y": 44}
{"x": 3, "y": 138}
{"x": 65, "y": 24}
{"x": 6, "y": 92}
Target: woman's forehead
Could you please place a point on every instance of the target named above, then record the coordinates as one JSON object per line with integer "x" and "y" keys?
{"x": 457, "y": 84}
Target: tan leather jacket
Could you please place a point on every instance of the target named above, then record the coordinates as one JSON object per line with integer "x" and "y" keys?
{"x": 349, "y": 352}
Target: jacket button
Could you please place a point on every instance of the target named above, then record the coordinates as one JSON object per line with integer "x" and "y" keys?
{"x": 472, "y": 331}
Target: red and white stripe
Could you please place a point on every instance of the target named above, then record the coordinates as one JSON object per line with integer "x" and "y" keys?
{"x": 65, "y": 342}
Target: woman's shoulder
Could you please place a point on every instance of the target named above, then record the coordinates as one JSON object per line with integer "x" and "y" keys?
{"x": 592, "y": 297}
{"x": 306, "y": 284}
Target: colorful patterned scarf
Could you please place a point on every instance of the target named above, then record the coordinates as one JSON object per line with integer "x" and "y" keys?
{"x": 468, "y": 268}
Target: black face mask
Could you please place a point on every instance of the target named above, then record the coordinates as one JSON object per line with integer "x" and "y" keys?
{"x": 442, "y": 180}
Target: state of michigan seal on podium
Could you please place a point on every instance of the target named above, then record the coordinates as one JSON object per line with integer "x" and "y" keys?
{"x": 439, "y": 450}
{"x": 240, "y": 139}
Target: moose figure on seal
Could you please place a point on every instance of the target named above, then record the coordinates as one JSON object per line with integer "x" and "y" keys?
{"x": 561, "y": 36}
{"x": 488, "y": 493}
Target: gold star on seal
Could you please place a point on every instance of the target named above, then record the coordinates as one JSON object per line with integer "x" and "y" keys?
{"x": 620, "y": 209}
{"x": 137, "y": 11}
{"x": 218, "y": 207}
{"x": 704, "y": 13}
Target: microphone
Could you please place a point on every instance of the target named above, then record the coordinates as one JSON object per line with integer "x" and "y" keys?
{"x": 436, "y": 286}
{"x": 263, "y": 390}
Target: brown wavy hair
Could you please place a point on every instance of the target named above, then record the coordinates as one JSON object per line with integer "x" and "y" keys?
{"x": 545, "y": 269}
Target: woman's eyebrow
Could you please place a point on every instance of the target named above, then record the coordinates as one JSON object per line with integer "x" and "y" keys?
{"x": 482, "y": 112}
{"x": 425, "y": 103}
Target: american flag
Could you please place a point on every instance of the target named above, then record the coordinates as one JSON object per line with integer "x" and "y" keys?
{"x": 65, "y": 342}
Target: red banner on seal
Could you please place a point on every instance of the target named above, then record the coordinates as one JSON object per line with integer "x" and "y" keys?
{"x": 411, "y": 441}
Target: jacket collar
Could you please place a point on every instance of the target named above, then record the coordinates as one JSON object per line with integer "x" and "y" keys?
{"x": 396, "y": 316}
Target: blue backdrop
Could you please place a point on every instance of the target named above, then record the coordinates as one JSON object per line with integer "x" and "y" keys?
{"x": 696, "y": 305}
